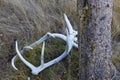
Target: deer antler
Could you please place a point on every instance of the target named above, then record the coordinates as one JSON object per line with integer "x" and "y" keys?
{"x": 48, "y": 35}
{"x": 69, "y": 26}
{"x": 36, "y": 70}
{"x": 42, "y": 54}
{"x": 70, "y": 41}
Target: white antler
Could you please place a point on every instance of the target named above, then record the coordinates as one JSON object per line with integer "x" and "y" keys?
{"x": 36, "y": 70}
{"x": 69, "y": 26}
{"x": 42, "y": 54}
{"x": 70, "y": 40}
{"x": 45, "y": 37}
{"x": 21, "y": 57}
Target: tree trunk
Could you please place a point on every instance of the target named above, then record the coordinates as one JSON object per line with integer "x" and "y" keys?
{"x": 95, "y": 40}
{"x": 98, "y": 39}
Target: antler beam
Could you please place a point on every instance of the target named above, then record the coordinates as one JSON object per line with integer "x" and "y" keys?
{"x": 70, "y": 39}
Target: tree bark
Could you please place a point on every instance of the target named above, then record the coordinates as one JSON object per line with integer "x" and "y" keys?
{"x": 95, "y": 40}
{"x": 81, "y": 20}
{"x": 98, "y": 39}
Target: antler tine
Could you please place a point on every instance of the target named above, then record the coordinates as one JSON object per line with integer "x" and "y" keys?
{"x": 67, "y": 32}
{"x": 69, "y": 26}
{"x": 42, "y": 54}
{"x": 23, "y": 51}
{"x": 12, "y": 62}
{"x": 22, "y": 59}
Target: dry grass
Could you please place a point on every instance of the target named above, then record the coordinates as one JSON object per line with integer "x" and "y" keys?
{"x": 27, "y": 20}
